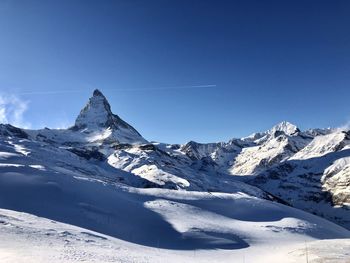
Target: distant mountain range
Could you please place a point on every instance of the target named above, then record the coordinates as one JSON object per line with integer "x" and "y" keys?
{"x": 308, "y": 170}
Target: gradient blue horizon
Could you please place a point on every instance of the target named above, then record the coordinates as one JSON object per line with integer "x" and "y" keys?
{"x": 265, "y": 62}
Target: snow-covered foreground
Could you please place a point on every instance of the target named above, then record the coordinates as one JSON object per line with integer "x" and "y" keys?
{"x": 150, "y": 225}
{"x": 27, "y": 238}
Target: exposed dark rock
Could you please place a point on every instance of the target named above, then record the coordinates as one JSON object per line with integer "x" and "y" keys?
{"x": 148, "y": 147}
{"x": 9, "y": 130}
{"x": 121, "y": 146}
{"x": 88, "y": 153}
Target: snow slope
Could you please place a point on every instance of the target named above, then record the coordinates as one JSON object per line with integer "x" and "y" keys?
{"x": 181, "y": 226}
{"x": 134, "y": 224}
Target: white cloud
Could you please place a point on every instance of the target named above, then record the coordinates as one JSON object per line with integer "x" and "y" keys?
{"x": 12, "y": 110}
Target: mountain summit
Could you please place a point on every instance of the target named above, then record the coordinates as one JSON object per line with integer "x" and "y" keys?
{"x": 97, "y": 116}
{"x": 286, "y": 127}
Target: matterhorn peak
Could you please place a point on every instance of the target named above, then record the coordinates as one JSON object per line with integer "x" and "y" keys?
{"x": 97, "y": 116}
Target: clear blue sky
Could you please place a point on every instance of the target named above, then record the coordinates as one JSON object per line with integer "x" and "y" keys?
{"x": 270, "y": 61}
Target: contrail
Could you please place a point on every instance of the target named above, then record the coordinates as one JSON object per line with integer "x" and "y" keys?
{"x": 119, "y": 89}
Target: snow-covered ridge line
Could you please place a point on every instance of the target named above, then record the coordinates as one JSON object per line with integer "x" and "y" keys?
{"x": 307, "y": 169}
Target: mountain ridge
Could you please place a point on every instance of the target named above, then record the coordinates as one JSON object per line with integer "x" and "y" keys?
{"x": 278, "y": 164}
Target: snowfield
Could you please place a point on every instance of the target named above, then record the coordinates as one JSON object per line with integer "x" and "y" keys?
{"x": 212, "y": 236}
{"x": 100, "y": 192}
{"x": 126, "y": 224}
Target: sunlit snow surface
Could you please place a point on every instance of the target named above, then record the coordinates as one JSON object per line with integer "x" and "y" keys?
{"x": 27, "y": 238}
{"x": 134, "y": 224}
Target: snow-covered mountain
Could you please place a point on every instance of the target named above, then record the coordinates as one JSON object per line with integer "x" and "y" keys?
{"x": 166, "y": 200}
{"x": 97, "y": 117}
{"x": 315, "y": 179}
{"x": 275, "y": 146}
{"x": 306, "y": 169}
{"x": 96, "y": 125}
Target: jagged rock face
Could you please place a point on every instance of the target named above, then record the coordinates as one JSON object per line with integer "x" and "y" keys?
{"x": 308, "y": 170}
{"x": 317, "y": 132}
{"x": 275, "y": 146}
{"x": 197, "y": 151}
{"x": 219, "y": 154}
{"x": 97, "y": 114}
{"x": 87, "y": 153}
{"x": 324, "y": 144}
{"x": 95, "y": 125}
{"x": 316, "y": 178}
{"x": 285, "y": 127}
{"x": 9, "y": 130}
{"x": 336, "y": 180}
